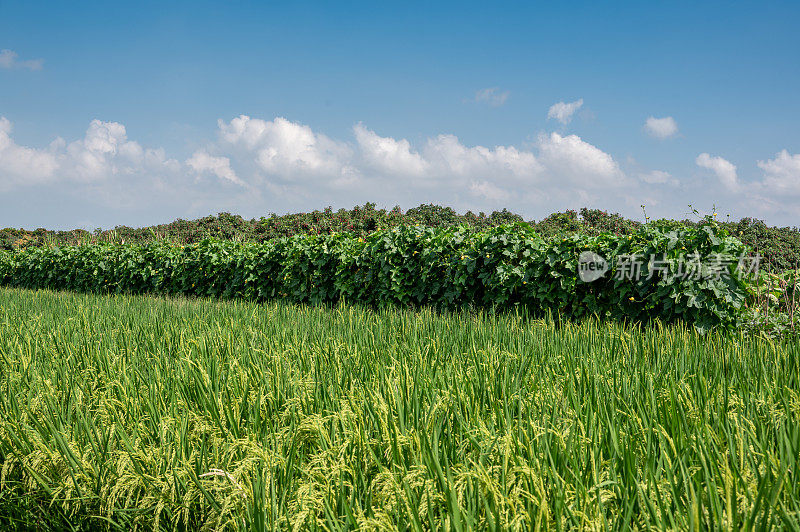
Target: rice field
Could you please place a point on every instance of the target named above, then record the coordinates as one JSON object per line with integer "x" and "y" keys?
{"x": 130, "y": 412}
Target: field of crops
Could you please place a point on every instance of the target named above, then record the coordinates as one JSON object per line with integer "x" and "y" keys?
{"x": 117, "y": 411}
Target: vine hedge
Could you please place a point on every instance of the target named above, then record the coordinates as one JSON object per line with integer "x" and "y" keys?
{"x": 500, "y": 267}
{"x": 778, "y": 246}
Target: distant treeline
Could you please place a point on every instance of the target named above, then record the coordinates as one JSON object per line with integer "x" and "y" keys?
{"x": 779, "y": 246}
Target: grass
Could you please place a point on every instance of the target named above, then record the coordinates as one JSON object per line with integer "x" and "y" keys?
{"x": 123, "y": 412}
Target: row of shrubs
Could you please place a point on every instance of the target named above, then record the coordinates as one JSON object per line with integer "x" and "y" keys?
{"x": 780, "y": 247}
{"x": 448, "y": 267}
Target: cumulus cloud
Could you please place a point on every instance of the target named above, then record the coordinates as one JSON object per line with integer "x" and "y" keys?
{"x": 658, "y": 177}
{"x": 102, "y": 154}
{"x": 287, "y": 149}
{"x": 105, "y": 152}
{"x": 283, "y": 165}
{"x": 288, "y": 152}
{"x": 9, "y": 60}
{"x": 487, "y": 190}
{"x": 289, "y": 165}
{"x": 724, "y": 170}
{"x": 578, "y": 161}
{"x": 661, "y": 128}
{"x": 23, "y": 165}
{"x": 452, "y": 158}
{"x": 201, "y": 162}
{"x": 387, "y": 155}
{"x": 292, "y": 160}
{"x": 782, "y": 174}
{"x": 563, "y": 111}
{"x": 492, "y": 96}
{"x": 281, "y": 155}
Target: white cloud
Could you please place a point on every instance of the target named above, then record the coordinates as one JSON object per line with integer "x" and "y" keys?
{"x": 451, "y": 158}
{"x": 286, "y": 166}
{"x": 20, "y": 164}
{"x": 295, "y": 154}
{"x": 724, "y": 170}
{"x": 658, "y": 177}
{"x": 492, "y": 96}
{"x": 288, "y": 150}
{"x": 95, "y": 156}
{"x": 782, "y": 174}
{"x": 561, "y": 166}
{"x": 274, "y": 155}
{"x": 103, "y": 153}
{"x": 563, "y": 111}
{"x": 661, "y": 128}
{"x": 8, "y": 60}
{"x": 106, "y": 152}
{"x": 202, "y": 162}
{"x": 387, "y": 155}
{"x": 578, "y": 161}
{"x": 489, "y": 191}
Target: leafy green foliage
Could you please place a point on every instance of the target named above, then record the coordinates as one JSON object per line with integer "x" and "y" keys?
{"x": 359, "y": 221}
{"x": 773, "y": 304}
{"x": 447, "y": 267}
{"x": 779, "y": 246}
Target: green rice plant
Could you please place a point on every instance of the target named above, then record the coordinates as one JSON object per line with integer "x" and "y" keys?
{"x": 134, "y": 412}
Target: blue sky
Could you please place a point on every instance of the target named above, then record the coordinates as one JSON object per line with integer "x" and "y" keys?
{"x": 139, "y": 114}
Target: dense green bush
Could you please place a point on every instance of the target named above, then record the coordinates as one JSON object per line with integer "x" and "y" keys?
{"x": 780, "y": 247}
{"x": 503, "y": 266}
{"x": 360, "y": 221}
